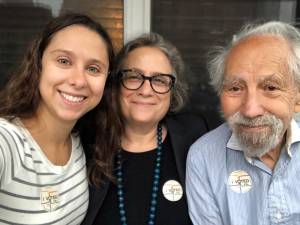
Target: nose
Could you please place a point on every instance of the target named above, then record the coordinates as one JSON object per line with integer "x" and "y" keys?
{"x": 252, "y": 106}
{"x": 146, "y": 88}
{"x": 77, "y": 78}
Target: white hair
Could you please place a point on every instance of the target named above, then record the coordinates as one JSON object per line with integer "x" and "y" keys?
{"x": 289, "y": 33}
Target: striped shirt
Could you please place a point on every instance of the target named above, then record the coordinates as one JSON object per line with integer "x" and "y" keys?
{"x": 226, "y": 188}
{"x": 32, "y": 189}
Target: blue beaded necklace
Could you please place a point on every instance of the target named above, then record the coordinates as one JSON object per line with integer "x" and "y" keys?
{"x": 155, "y": 182}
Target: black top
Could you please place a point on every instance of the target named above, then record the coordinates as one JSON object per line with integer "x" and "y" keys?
{"x": 138, "y": 173}
{"x": 183, "y": 130}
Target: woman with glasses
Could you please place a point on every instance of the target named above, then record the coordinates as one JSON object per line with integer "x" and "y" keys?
{"x": 150, "y": 162}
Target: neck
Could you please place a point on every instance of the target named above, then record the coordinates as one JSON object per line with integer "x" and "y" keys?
{"x": 271, "y": 157}
{"x": 140, "y": 138}
{"x": 52, "y": 137}
{"x": 155, "y": 182}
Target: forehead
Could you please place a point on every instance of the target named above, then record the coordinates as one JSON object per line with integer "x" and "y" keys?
{"x": 77, "y": 35}
{"x": 80, "y": 42}
{"x": 147, "y": 56}
{"x": 256, "y": 56}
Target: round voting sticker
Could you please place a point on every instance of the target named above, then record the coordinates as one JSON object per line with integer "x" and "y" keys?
{"x": 172, "y": 190}
{"x": 239, "y": 181}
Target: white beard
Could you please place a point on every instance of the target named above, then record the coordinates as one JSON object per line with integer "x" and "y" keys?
{"x": 257, "y": 144}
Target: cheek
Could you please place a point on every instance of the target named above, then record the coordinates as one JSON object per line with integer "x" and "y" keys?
{"x": 125, "y": 93}
{"x": 283, "y": 109}
{"x": 46, "y": 82}
{"x": 124, "y": 98}
{"x": 230, "y": 105}
{"x": 97, "y": 86}
{"x": 166, "y": 101}
{"x": 51, "y": 76}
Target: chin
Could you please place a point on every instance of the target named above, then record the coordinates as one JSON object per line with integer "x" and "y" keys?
{"x": 257, "y": 151}
{"x": 71, "y": 118}
{"x": 142, "y": 120}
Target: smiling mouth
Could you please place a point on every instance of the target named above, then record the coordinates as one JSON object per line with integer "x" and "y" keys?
{"x": 72, "y": 98}
{"x": 143, "y": 103}
{"x": 253, "y": 128}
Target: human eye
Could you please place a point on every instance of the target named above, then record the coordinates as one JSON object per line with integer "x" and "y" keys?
{"x": 94, "y": 70}
{"x": 271, "y": 87}
{"x": 132, "y": 76}
{"x": 234, "y": 88}
{"x": 161, "y": 80}
{"x": 64, "y": 61}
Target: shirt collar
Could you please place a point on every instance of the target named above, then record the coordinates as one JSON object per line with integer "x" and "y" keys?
{"x": 234, "y": 145}
{"x": 292, "y": 136}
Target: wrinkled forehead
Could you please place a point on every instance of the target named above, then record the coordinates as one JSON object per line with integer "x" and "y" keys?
{"x": 260, "y": 42}
{"x": 258, "y": 55}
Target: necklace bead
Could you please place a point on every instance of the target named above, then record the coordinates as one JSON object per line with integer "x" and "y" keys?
{"x": 155, "y": 183}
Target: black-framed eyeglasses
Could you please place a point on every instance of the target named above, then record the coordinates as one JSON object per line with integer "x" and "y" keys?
{"x": 160, "y": 83}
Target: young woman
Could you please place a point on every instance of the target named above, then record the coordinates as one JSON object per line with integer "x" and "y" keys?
{"x": 45, "y": 108}
{"x": 150, "y": 160}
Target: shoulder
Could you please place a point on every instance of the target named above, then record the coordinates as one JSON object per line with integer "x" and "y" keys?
{"x": 8, "y": 128}
{"x": 76, "y": 140}
{"x": 13, "y": 138}
{"x": 212, "y": 144}
{"x": 77, "y": 150}
{"x": 11, "y": 141}
{"x": 187, "y": 121}
{"x": 216, "y": 135}
{"x": 5, "y": 123}
{"x": 185, "y": 128}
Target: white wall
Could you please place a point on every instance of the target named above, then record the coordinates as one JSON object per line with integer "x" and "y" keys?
{"x": 137, "y": 18}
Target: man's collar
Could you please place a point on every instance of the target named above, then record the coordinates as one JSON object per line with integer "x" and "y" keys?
{"x": 293, "y": 135}
{"x": 234, "y": 145}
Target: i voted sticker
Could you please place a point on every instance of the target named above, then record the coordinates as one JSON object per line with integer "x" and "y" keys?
{"x": 49, "y": 198}
{"x": 172, "y": 190}
{"x": 239, "y": 181}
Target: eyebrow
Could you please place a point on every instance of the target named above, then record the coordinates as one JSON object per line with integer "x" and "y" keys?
{"x": 232, "y": 79}
{"x": 62, "y": 51}
{"x": 239, "y": 78}
{"x": 274, "y": 78}
{"x": 151, "y": 74}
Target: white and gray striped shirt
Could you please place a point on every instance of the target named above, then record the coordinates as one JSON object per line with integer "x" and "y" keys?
{"x": 32, "y": 189}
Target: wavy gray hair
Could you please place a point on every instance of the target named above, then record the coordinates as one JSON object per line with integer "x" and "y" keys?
{"x": 290, "y": 34}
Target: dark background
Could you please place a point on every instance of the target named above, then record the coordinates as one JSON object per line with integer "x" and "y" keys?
{"x": 194, "y": 26}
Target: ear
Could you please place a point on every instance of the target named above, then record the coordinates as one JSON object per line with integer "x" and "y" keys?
{"x": 297, "y": 104}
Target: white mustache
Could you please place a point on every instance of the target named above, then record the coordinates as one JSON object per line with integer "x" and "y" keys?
{"x": 264, "y": 120}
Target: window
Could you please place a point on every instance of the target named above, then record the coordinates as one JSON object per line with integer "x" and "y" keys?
{"x": 20, "y": 21}
{"x": 194, "y": 26}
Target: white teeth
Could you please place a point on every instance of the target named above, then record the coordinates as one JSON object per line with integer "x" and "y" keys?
{"x": 72, "y": 98}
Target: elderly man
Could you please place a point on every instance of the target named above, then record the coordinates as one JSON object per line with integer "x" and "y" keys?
{"x": 247, "y": 171}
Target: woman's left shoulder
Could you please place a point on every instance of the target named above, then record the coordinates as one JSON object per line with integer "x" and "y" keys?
{"x": 187, "y": 121}
{"x": 185, "y": 128}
